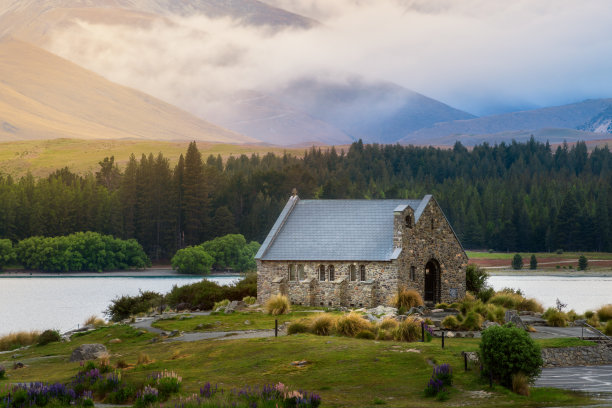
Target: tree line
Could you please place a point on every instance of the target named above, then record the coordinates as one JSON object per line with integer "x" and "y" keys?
{"x": 514, "y": 197}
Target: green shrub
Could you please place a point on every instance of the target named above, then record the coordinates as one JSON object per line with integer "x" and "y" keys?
{"x": 407, "y": 298}
{"x": 608, "y": 328}
{"x": 559, "y": 251}
{"x": 450, "y": 322}
{"x": 517, "y": 262}
{"x": 49, "y": 336}
{"x": 7, "y": 253}
{"x": 593, "y": 320}
{"x": 297, "y": 327}
{"x": 472, "y": 321}
{"x": 573, "y": 316}
{"x": 530, "y": 305}
{"x": 408, "y": 330}
{"x": 486, "y": 294}
{"x": 277, "y": 305}
{"x": 351, "y": 324}
{"x": 507, "y": 350}
{"x": 323, "y": 324}
{"x": 2, "y": 372}
{"x": 506, "y": 299}
{"x": 220, "y": 304}
{"x": 232, "y": 252}
{"x": 556, "y": 318}
{"x": 126, "y": 306}
{"x": 384, "y": 334}
{"x": 533, "y": 262}
{"x": 475, "y": 278}
{"x": 365, "y": 334}
{"x": 249, "y": 300}
{"x": 605, "y": 313}
{"x": 583, "y": 263}
{"x": 588, "y": 314}
{"x": 441, "y": 306}
{"x": 193, "y": 260}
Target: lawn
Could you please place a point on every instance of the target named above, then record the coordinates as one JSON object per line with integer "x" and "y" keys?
{"x": 539, "y": 255}
{"x": 344, "y": 371}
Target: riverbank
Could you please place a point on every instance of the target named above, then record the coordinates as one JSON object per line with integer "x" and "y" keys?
{"x": 155, "y": 272}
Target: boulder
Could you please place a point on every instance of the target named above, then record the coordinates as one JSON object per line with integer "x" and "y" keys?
{"x": 233, "y": 306}
{"x": 513, "y": 317}
{"x": 488, "y": 324}
{"x": 88, "y": 352}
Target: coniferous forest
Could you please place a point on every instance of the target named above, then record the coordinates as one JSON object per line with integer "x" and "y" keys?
{"x": 515, "y": 197}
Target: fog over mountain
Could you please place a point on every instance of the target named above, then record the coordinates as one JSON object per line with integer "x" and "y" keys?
{"x": 333, "y": 71}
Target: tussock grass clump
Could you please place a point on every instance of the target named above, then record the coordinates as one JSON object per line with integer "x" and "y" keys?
{"x": 143, "y": 359}
{"x": 506, "y": 299}
{"x": 121, "y": 364}
{"x": 297, "y": 327}
{"x": 388, "y": 324}
{"x": 555, "y": 318}
{"x": 593, "y": 320}
{"x": 351, "y": 324}
{"x": 384, "y": 334}
{"x": 365, "y": 334}
{"x": 220, "y": 304}
{"x": 608, "y": 328}
{"x": 530, "y": 305}
{"x": 520, "y": 384}
{"x": 605, "y": 313}
{"x": 15, "y": 340}
{"x": 450, "y": 322}
{"x": 94, "y": 321}
{"x": 472, "y": 321}
{"x": 408, "y": 330}
{"x": 407, "y": 298}
{"x": 249, "y": 300}
{"x": 104, "y": 362}
{"x": 278, "y": 305}
{"x": 48, "y": 336}
{"x": 588, "y": 314}
{"x": 323, "y": 324}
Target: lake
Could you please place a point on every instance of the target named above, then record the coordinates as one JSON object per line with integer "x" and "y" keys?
{"x": 64, "y": 302}
{"x": 580, "y": 293}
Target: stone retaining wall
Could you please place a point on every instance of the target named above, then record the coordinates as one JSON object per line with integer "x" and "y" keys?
{"x": 577, "y": 356}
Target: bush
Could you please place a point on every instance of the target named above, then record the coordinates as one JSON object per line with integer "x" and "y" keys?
{"x": 7, "y": 253}
{"x": 233, "y": 252}
{"x": 520, "y": 384}
{"x": 608, "y": 328}
{"x": 486, "y": 294}
{"x": 16, "y": 340}
{"x": 593, "y": 320}
{"x": 277, "y": 305}
{"x": 143, "y": 359}
{"x": 408, "y": 330}
{"x": 583, "y": 263}
{"x": 605, "y": 313}
{"x": 351, "y": 324}
{"x": 94, "y": 321}
{"x": 2, "y": 372}
{"x": 530, "y": 305}
{"x": 323, "y": 324}
{"x": 388, "y": 323}
{"x": 472, "y": 321}
{"x": 407, "y": 298}
{"x": 559, "y": 251}
{"x": 126, "y": 306}
{"x": 383, "y": 334}
{"x": 588, "y": 314}
{"x": 517, "y": 262}
{"x": 146, "y": 397}
{"x": 366, "y": 335}
{"x": 220, "y": 304}
{"x": 450, "y": 322}
{"x": 556, "y": 318}
{"x": 49, "y": 336}
{"x": 442, "y": 377}
{"x": 507, "y": 350}
{"x": 249, "y": 300}
{"x": 533, "y": 262}
{"x": 475, "y": 278}
{"x": 194, "y": 260}
{"x": 297, "y": 327}
{"x": 508, "y": 300}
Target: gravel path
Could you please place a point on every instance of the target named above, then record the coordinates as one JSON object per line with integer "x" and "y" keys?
{"x": 594, "y": 380}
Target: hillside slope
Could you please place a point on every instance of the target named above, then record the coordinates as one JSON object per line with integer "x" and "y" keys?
{"x": 43, "y": 96}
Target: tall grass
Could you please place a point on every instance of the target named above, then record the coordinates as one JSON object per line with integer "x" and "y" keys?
{"x": 406, "y": 298}
{"x": 605, "y": 313}
{"x": 278, "y": 305}
{"x": 19, "y": 339}
{"x": 408, "y": 330}
{"x": 351, "y": 324}
{"x": 94, "y": 321}
{"x": 323, "y": 324}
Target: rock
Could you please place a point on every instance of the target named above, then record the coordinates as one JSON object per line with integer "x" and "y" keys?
{"x": 416, "y": 310}
{"x": 488, "y": 324}
{"x": 247, "y": 322}
{"x": 301, "y": 363}
{"x": 458, "y": 335}
{"x": 437, "y": 311}
{"x": 18, "y": 365}
{"x": 234, "y": 305}
{"x": 383, "y": 310}
{"x": 513, "y": 317}
{"x": 88, "y": 352}
{"x": 115, "y": 341}
{"x": 450, "y": 334}
{"x": 371, "y": 318}
{"x": 183, "y": 306}
{"x": 173, "y": 333}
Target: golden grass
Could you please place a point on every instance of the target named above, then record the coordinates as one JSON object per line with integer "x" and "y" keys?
{"x": 323, "y": 324}
{"x": 19, "y": 339}
{"x": 351, "y": 324}
{"x": 104, "y": 360}
{"x": 407, "y": 298}
{"x": 520, "y": 384}
{"x": 605, "y": 313}
{"x": 94, "y": 321}
{"x": 143, "y": 359}
{"x": 408, "y": 330}
{"x": 278, "y": 305}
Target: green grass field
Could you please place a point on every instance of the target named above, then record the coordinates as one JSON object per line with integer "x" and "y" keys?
{"x": 527, "y": 255}
{"x": 346, "y": 372}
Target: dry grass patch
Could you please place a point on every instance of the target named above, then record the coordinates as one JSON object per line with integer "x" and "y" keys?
{"x": 351, "y": 324}
{"x": 407, "y": 298}
{"x": 143, "y": 359}
{"x": 520, "y": 384}
{"x": 94, "y": 321}
{"x": 323, "y": 324}
{"x": 408, "y": 330}
{"x": 605, "y": 313}
{"x": 19, "y": 339}
{"x": 278, "y": 305}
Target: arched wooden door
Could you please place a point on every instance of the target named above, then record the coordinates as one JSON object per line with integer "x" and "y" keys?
{"x": 432, "y": 281}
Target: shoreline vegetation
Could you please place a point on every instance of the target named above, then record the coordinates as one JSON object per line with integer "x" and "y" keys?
{"x": 157, "y": 271}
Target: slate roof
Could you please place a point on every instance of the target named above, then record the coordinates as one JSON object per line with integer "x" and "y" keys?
{"x": 336, "y": 230}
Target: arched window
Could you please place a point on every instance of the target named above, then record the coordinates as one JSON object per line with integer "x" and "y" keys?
{"x": 301, "y": 273}
{"x": 292, "y": 276}
{"x": 332, "y": 273}
{"x": 362, "y": 273}
{"x": 408, "y": 221}
{"x": 353, "y": 272}
{"x": 322, "y": 273}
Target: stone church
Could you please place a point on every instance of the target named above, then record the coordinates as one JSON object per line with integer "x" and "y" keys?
{"x": 359, "y": 253}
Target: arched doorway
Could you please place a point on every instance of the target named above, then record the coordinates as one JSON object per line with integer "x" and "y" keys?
{"x": 432, "y": 281}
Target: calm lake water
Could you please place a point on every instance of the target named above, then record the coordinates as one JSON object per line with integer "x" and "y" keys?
{"x": 62, "y": 303}
{"x": 580, "y": 293}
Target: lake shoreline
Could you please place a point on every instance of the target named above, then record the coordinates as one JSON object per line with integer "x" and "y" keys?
{"x": 140, "y": 273}
{"x": 561, "y": 273}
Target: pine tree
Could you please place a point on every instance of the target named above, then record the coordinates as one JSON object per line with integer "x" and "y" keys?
{"x": 583, "y": 263}
{"x": 533, "y": 262}
{"x": 517, "y": 262}
{"x": 195, "y": 198}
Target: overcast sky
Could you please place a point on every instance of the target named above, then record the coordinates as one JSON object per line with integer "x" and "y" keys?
{"x": 482, "y": 56}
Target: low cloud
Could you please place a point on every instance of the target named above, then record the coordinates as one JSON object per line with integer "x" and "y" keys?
{"x": 482, "y": 56}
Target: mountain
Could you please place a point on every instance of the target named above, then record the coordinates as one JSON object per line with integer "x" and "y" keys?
{"x": 567, "y": 117}
{"x": 43, "y": 96}
{"x": 375, "y": 112}
{"x": 601, "y": 123}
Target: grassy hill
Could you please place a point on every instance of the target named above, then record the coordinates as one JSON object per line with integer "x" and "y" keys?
{"x": 42, "y": 157}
